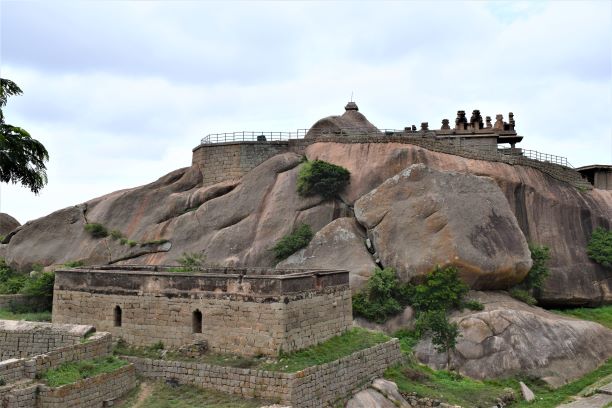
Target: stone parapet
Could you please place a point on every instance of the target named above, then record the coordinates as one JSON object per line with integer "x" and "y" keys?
{"x": 318, "y": 386}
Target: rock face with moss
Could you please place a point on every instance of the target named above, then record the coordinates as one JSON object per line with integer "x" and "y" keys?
{"x": 509, "y": 338}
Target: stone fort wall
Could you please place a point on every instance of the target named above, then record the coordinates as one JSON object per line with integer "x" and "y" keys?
{"x": 241, "y": 311}
{"x": 25, "y": 339}
{"x": 225, "y": 161}
{"x": 314, "y": 387}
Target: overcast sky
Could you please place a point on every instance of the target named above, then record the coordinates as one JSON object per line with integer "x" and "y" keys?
{"x": 120, "y": 92}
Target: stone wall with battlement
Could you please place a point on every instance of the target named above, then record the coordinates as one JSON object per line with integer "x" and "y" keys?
{"x": 245, "y": 311}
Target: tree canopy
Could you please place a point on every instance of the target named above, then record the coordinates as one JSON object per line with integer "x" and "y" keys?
{"x": 22, "y": 158}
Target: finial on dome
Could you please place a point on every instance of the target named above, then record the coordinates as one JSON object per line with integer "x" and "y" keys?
{"x": 351, "y": 106}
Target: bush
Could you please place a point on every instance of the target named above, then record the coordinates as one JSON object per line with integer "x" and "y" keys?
{"x": 473, "y": 305}
{"x": 536, "y": 276}
{"x": 41, "y": 286}
{"x": 74, "y": 264}
{"x": 116, "y": 234}
{"x": 444, "y": 333}
{"x": 538, "y": 273}
{"x": 383, "y": 297}
{"x": 190, "y": 261}
{"x": 290, "y": 243}
{"x": 96, "y": 230}
{"x": 523, "y": 295}
{"x": 442, "y": 290}
{"x": 599, "y": 248}
{"x": 10, "y": 281}
{"x": 320, "y": 177}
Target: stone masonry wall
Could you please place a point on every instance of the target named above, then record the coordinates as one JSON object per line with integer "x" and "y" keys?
{"x": 219, "y": 162}
{"x": 245, "y": 312}
{"x": 225, "y": 161}
{"x": 90, "y": 392}
{"x": 318, "y": 386}
{"x": 13, "y": 370}
{"x": 237, "y": 325}
{"x": 9, "y": 301}
{"x": 324, "y": 385}
{"x": 24, "y": 339}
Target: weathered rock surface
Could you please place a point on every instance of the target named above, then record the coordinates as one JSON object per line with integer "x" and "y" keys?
{"x": 349, "y": 122}
{"x": 509, "y": 337}
{"x": 233, "y": 223}
{"x": 549, "y": 212}
{"x": 404, "y": 320}
{"x": 7, "y": 223}
{"x": 341, "y": 245}
{"x": 528, "y": 395}
{"x": 370, "y": 398}
{"x": 420, "y": 218}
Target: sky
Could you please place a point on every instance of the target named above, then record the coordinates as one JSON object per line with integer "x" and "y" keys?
{"x": 120, "y": 92}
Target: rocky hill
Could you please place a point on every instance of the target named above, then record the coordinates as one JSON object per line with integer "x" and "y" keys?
{"x": 406, "y": 207}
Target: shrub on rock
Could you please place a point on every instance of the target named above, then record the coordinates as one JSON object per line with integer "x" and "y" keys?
{"x": 323, "y": 178}
{"x": 599, "y": 248}
{"x": 292, "y": 242}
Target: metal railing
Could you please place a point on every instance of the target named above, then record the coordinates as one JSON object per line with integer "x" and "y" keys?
{"x": 539, "y": 156}
{"x": 254, "y": 136}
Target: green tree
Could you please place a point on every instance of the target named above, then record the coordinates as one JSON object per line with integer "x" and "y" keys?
{"x": 444, "y": 334}
{"x": 22, "y": 158}
{"x": 599, "y": 248}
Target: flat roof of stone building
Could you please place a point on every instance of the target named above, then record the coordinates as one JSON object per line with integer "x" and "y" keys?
{"x": 157, "y": 279}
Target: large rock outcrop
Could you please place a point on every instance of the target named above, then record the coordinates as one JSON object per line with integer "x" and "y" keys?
{"x": 7, "y": 224}
{"x": 340, "y": 245}
{"x": 233, "y": 223}
{"x": 549, "y": 212}
{"x": 509, "y": 337}
{"x": 421, "y": 217}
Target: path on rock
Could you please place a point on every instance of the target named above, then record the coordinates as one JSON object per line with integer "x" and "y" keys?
{"x": 602, "y": 398}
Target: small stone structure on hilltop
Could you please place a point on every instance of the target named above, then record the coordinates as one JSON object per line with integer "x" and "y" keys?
{"x": 245, "y": 311}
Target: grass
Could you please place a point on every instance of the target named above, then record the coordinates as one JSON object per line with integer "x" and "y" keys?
{"x": 29, "y": 316}
{"x": 187, "y": 396}
{"x": 601, "y": 315}
{"x": 455, "y": 389}
{"x": 69, "y": 373}
{"x": 353, "y": 340}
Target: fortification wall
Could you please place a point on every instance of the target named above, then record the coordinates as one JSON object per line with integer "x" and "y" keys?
{"x": 24, "y": 339}
{"x": 90, "y": 392}
{"x": 245, "y": 314}
{"x": 314, "y": 387}
{"x": 226, "y": 161}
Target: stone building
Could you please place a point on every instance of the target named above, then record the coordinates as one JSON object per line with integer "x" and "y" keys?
{"x": 246, "y": 311}
{"x": 599, "y": 175}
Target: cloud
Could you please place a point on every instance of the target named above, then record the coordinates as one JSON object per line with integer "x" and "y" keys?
{"x": 120, "y": 92}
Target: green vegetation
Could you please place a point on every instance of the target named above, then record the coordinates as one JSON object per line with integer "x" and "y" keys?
{"x": 74, "y": 264}
{"x": 352, "y": 340}
{"x": 534, "y": 280}
{"x": 442, "y": 290}
{"x": 190, "y": 262}
{"x": 96, "y": 230}
{"x": 383, "y": 296}
{"x": 599, "y": 248}
{"x": 69, "y": 373}
{"x": 349, "y": 342}
{"x": 39, "y": 284}
{"x": 116, "y": 234}
{"x": 292, "y": 242}
{"x": 320, "y": 177}
{"x": 29, "y": 316}
{"x": 155, "y": 242}
{"x": 23, "y": 158}
{"x": 601, "y": 315}
{"x": 453, "y": 388}
{"x": 161, "y": 395}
